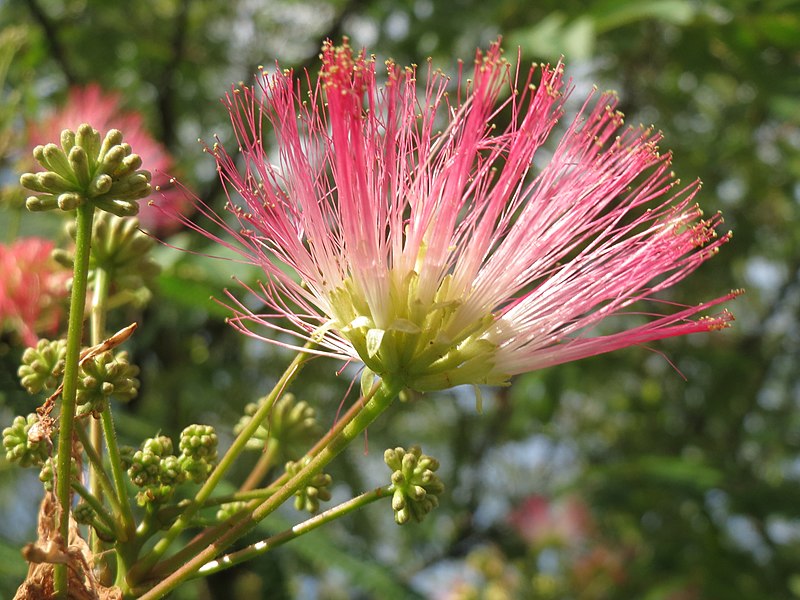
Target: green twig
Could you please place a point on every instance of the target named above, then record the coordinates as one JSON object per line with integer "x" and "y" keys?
{"x": 274, "y": 541}
{"x": 342, "y": 434}
{"x": 216, "y": 475}
{"x": 97, "y": 463}
{"x": 83, "y": 241}
{"x": 263, "y": 465}
{"x": 97, "y": 326}
{"x": 205, "y": 538}
{"x": 118, "y": 473}
{"x": 98, "y": 507}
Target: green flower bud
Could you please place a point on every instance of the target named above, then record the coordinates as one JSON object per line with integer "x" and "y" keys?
{"x": 314, "y": 491}
{"x": 160, "y": 446}
{"x": 126, "y": 456}
{"x": 41, "y": 203}
{"x": 20, "y": 447}
{"x": 155, "y": 494}
{"x": 121, "y": 249}
{"x": 198, "y": 445}
{"x": 291, "y": 423}
{"x": 42, "y": 366}
{"x": 146, "y": 469}
{"x": 88, "y": 168}
{"x": 200, "y": 442}
{"x": 105, "y": 375}
{"x": 228, "y": 510}
{"x": 415, "y": 486}
{"x": 46, "y": 475}
{"x": 83, "y": 513}
{"x": 172, "y": 472}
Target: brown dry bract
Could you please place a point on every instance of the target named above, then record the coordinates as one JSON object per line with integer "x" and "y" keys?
{"x": 49, "y": 550}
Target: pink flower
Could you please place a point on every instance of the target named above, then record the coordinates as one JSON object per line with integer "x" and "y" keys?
{"x": 428, "y": 235}
{"x": 102, "y": 110}
{"x": 31, "y": 287}
{"x": 541, "y": 521}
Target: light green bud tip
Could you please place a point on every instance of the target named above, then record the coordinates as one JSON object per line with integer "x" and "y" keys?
{"x": 198, "y": 445}
{"x": 415, "y": 485}
{"x": 314, "y": 491}
{"x": 87, "y": 168}
{"x": 21, "y": 447}
{"x": 105, "y": 375}
{"x": 42, "y": 366}
{"x": 291, "y": 425}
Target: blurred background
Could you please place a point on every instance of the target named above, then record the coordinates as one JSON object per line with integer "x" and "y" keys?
{"x": 610, "y": 478}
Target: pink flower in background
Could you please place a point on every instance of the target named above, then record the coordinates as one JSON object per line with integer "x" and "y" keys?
{"x": 31, "y": 288}
{"x": 541, "y": 521}
{"x": 429, "y": 235}
{"x": 102, "y": 110}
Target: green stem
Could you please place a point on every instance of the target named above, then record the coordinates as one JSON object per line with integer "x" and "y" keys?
{"x": 83, "y": 242}
{"x": 102, "y": 288}
{"x": 257, "y": 494}
{"x": 97, "y": 462}
{"x": 97, "y": 326}
{"x": 274, "y": 541}
{"x": 118, "y": 473}
{"x": 98, "y": 507}
{"x": 343, "y": 433}
{"x": 227, "y": 460}
{"x": 261, "y": 468}
{"x": 206, "y": 537}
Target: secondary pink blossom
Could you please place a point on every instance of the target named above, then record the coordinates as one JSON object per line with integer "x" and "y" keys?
{"x": 102, "y": 110}
{"x": 428, "y": 234}
{"x": 541, "y": 521}
{"x": 31, "y": 288}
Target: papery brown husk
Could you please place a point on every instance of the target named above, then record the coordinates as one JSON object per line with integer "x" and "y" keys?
{"x": 49, "y": 550}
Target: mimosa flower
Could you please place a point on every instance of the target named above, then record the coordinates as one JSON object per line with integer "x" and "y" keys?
{"x": 102, "y": 110}
{"x": 31, "y": 288}
{"x": 427, "y": 236}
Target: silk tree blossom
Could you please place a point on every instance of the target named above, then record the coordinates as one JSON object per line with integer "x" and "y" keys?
{"x": 103, "y": 111}
{"x": 32, "y": 286}
{"x": 410, "y": 230}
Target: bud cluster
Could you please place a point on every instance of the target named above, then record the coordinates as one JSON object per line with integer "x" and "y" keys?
{"x": 105, "y": 375}
{"x": 198, "y": 446}
{"x": 118, "y": 247}
{"x": 227, "y": 510}
{"x": 23, "y": 448}
{"x": 314, "y": 491}
{"x": 88, "y": 168}
{"x": 415, "y": 485}
{"x": 42, "y": 366}
{"x": 47, "y": 474}
{"x": 292, "y": 424}
{"x": 156, "y": 470}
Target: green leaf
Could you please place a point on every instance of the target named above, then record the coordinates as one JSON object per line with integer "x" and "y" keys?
{"x": 612, "y": 14}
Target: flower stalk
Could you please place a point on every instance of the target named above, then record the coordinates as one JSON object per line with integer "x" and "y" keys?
{"x": 272, "y": 542}
{"x": 80, "y": 277}
{"x": 238, "y": 446}
{"x": 344, "y": 432}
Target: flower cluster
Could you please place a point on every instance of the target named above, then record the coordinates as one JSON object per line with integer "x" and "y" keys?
{"x": 416, "y": 232}
{"x": 291, "y": 424}
{"x": 157, "y": 471}
{"x": 42, "y": 365}
{"x": 415, "y": 485}
{"x": 22, "y": 447}
{"x": 31, "y": 289}
{"x": 104, "y": 375}
{"x": 103, "y": 110}
{"x": 314, "y": 491}
{"x": 87, "y": 167}
{"x": 120, "y": 248}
